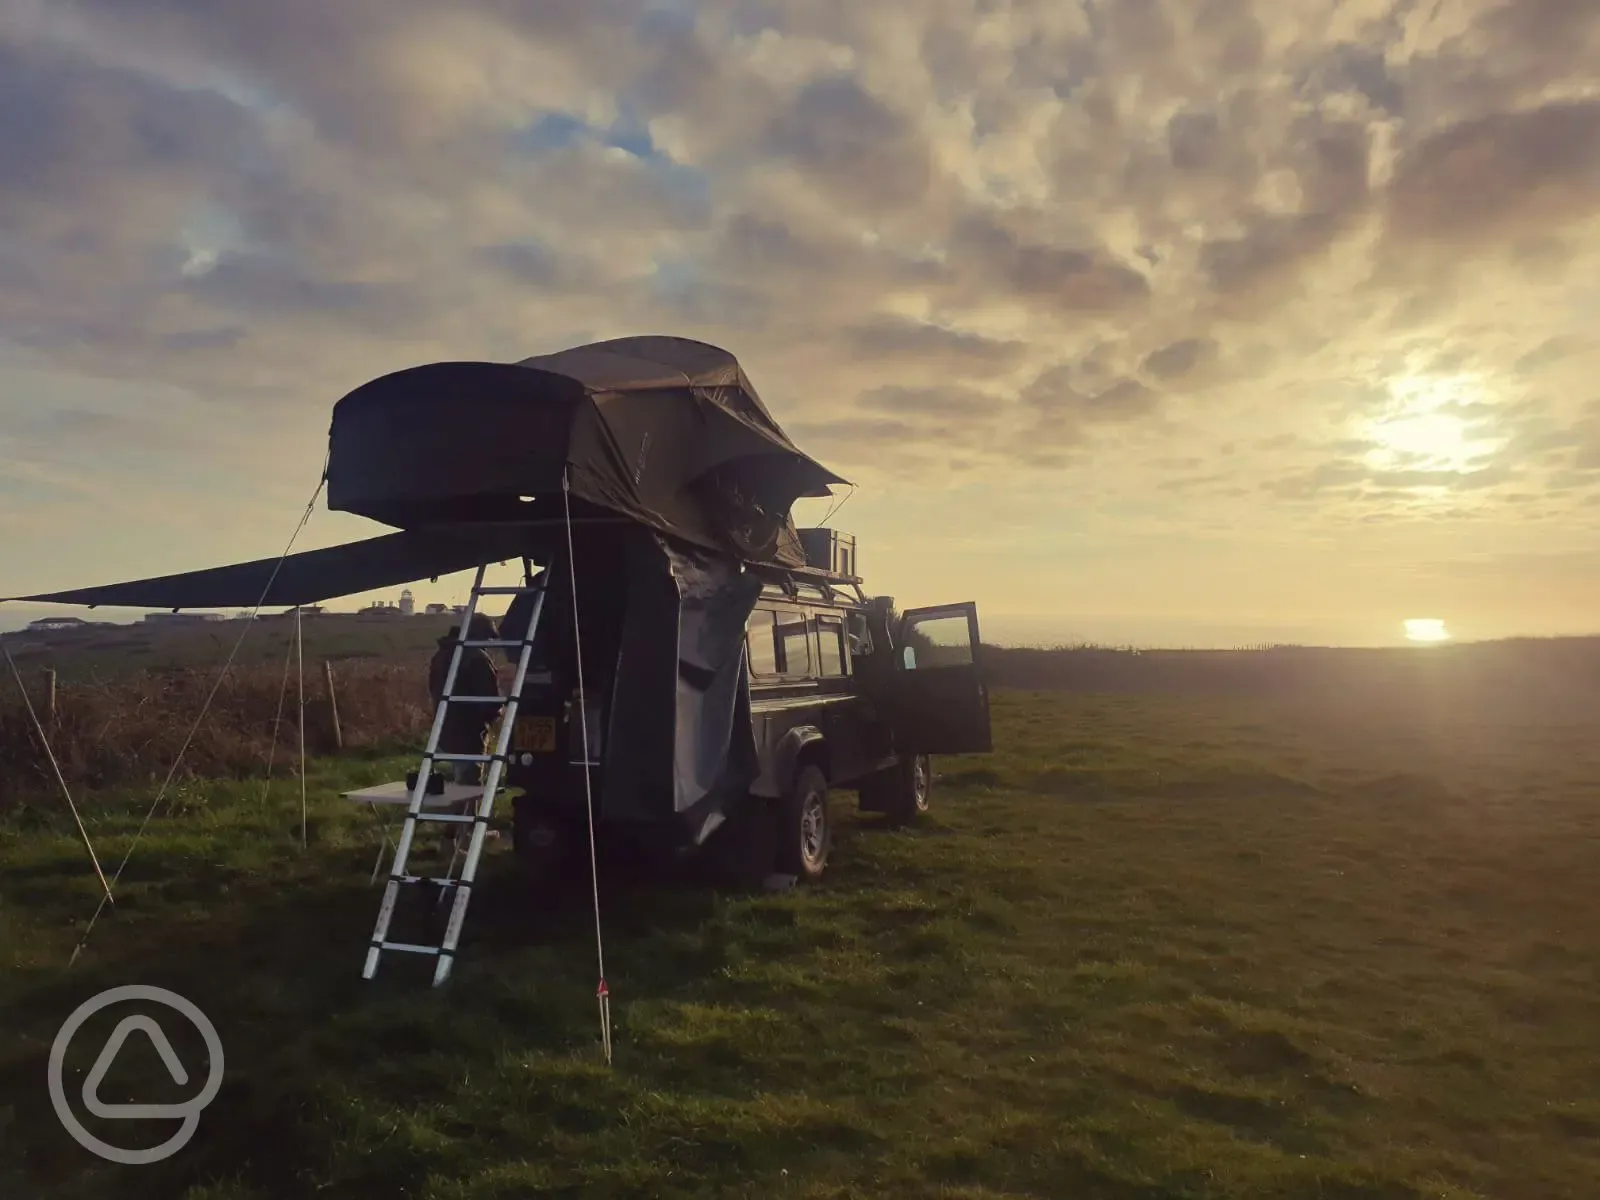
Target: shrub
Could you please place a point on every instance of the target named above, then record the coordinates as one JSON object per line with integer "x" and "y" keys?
{"x": 131, "y": 730}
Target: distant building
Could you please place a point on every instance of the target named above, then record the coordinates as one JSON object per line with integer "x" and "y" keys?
{"x": 45, "y": 624}
{"x": 408, "y": 603}
{"x": 379, "y": 608}
{"x": 182, "y": 618}
{"x": 305, "y": 610}
{"x": 437, "y": 610}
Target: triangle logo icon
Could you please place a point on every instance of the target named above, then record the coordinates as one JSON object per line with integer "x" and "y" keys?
{"x": 102, "y": 1065}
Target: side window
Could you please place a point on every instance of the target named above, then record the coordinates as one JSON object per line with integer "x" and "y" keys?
{"x": 763, "y": 646}
{"x": 794, "y": 643}
{"x": 939, "y": 639}
{"x": 830, "y": 645}
{"x": 859, "y": 634}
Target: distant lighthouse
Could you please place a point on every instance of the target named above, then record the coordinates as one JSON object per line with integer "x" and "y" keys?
{"x": 408, "y": 604}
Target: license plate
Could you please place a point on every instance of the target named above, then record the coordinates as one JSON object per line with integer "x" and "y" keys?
{"x": 536, "y": 735}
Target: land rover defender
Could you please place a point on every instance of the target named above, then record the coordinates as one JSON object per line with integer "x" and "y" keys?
{"x": 844, "y": 693}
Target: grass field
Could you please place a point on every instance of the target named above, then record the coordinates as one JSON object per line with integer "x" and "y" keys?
{"x": 1149, "y": 948}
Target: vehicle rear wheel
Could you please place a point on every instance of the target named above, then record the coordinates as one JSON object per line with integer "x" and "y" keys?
{"x": 805, "y": 829}
{"x": 907, "y": 787}
{"x": 540, "y": 843}
{"x": 742, "y": 852}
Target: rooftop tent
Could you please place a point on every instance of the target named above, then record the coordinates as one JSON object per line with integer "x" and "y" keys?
{"x": 661, "y": 431}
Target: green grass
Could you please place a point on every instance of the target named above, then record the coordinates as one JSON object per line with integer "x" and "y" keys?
{"x": 1149, "y": 948}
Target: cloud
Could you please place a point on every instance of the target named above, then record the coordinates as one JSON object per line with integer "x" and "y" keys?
{"x": 1548, "y": 353}
{"x": 1074, "y": 278}
{"x": 1348, "y": 68}
{"x": 1330, "y": 168}
{"x": 217, "y": 337}
{"x": 852, "y": 145}
{"x": 892, "y": 340}
{"x": 70, "y": 120}
{"x": 1177, "y": 359}
{"x": 944, "y": 401}
{"x": 1539, "y": 167}
{"x": 1065, "y": 416}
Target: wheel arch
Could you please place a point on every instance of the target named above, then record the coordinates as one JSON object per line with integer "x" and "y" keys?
{"x": 802, "y": 746}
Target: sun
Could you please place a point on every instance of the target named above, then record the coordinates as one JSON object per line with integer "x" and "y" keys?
{"x": 1430, "y": 436}
{"x": 1425, "y": 427}
{"x": 1426, "y": 630}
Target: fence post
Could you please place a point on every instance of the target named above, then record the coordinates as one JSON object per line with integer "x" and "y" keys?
{"x": 50, "y": 695}
{"x": 333, "y": 705}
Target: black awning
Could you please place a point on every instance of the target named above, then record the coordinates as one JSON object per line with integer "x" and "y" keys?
{"x": 311, "y": 576}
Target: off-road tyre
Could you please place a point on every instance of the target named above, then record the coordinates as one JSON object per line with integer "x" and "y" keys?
{"x": 900, "y": 793}
{"x": 804, "y": 826}
{"x": 740, "y": 854}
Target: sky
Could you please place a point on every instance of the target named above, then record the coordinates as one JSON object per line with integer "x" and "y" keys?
{"x": 1172, "y": 322}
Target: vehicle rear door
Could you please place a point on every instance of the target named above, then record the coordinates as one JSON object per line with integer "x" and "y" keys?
{"x": 939, "y": 703}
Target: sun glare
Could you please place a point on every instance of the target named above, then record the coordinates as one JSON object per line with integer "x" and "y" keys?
{"x": 1427, "y": 630}
{"x": 1426, "y": 435}
{"x": 1423, "y": 426}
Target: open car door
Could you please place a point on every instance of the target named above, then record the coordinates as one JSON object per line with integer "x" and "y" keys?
{"x": 938, "y": 700}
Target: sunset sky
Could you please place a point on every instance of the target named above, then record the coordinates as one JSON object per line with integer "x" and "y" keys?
{"x": 1163, "y": 321}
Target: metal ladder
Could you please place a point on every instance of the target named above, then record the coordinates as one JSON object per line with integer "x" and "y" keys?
{"x": 462, "y": 886}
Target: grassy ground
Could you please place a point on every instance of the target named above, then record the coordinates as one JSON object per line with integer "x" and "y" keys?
{"x": 1149, "y": 948}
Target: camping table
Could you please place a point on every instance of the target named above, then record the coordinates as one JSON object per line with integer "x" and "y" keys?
{"x": 398, "y": 795}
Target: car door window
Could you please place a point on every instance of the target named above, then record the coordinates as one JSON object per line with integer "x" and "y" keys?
{"x": 763, "y": 645}
{"x": 794, "y": 643}
{"x": 831, "y": 660}
{"x": 938, "y": 639}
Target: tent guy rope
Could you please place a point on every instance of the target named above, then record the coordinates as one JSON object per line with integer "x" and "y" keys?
{"x": 44, "y": 739}
{"x": 602, "y": 993}
{"x": 300, "y": 687}
{"x": 204, "y": 709}
{"x": 837, "y": 505}
{"x": 277, "y": 722}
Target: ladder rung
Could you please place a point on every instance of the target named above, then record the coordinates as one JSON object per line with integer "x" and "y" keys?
{"x": 506, "y": 591}
{"x": 438, "y": 818}
{"x": 493, "y": 643}
{"x": 466, "y": 758}
{"x": 409, "y": 948}
{"x": 433, "y": 879}
{"x": 476, "y": 699}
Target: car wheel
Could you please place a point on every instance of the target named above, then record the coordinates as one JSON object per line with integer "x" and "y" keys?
{"x": 908, "y": 786}
{"x": 541, "y": 846}
{"x": 805, "y": 829}
{"x": 741, "y": 852}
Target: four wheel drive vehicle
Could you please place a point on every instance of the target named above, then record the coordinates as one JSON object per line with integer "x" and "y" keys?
{"x": 826, "y": 689}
